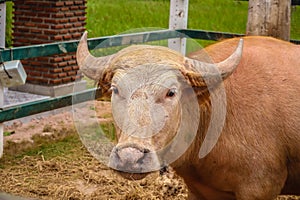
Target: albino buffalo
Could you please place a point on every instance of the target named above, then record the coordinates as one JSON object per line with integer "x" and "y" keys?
{"x": 257, "y": 153}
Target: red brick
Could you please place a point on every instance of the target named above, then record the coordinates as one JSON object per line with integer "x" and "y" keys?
{"x": 64, "y": 20}
{"x": 59, "y": 15}
{"x": 56, "y": 70}
{"x": 22, "y": 40}
{"x": 38, "y": 20}
{"x": 69, "y": 68}
{"x": 42, "y": 69}
{"x": 73, "y": 30}
{"x": 34, "y": 63}
{"x": 73, "y": 19}
{"x": 76, "y": 35}
{"x": 68, "y": 57}
{"x": 30, "y": 79}
{"x": 59, "y": 3}
{"x": 74, "y": 7}
{"x": 37, "y": 79}
{"x": 35, "y": 30}
{"x": 82, "y": 8}
{"x": 67, "y": 36}
{"x": 63, "y": 31}
{"x": 58, "y": 37}
{"x": 69, "y": 3}
{"x": 30, "y": 24}
{"x": 36, "y": 8}
{"x": 51, "y": 21}
{"x": 50, "y": 32}
{"x": 82, "y": 18}
{"x": 50, "y": 65}
{"x": 77, "y": 77}
{"x": 35, "y": 73}
{"x": 42, "y": 25}
{"x": 43, "y": 14}
{"x": 43, "y": 59}
{"x": 78, "y": 2}
{"x": 37, "y": 41}
{"x": 55, "y": 81}
{"x": 62, "y": 74}
{"x": 46, "y": 21}
{"x": 25, "y": 62}
{"x": 42, "y": 37}
{"x": 18, "y": 34}
{"x": 23, "y": 7}
{"x": 58, "y": 26}
{"x": 43, "y": 80}
{"x": 53, "y": 76}
{"x": 17, "y": 12}
{"x": 78, "y": 24}
{"x": 68, "y": 25}
{"x": 80, "y": 13}
{"x": 67, "y": 79}
{"x": 64, "y": 9}
{"x": 75, "y": 67}
{"x": 72, "y": 73}
{"x": 69, "y": 14}
{"x": 51, "y": 10}
{"x": 58, "y": 59}
{"x": 18, "y": 23}
{"x": 72, "y": 62}
{"x": 26, "y": 19}
{"x": 62, "y": 64}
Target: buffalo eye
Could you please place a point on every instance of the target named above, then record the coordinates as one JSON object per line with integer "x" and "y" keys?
{"x": 114, "y": 89}
{"x": 171, "y": 93}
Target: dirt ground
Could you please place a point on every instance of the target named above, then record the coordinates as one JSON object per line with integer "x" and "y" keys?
{"x": 45, "y": 159}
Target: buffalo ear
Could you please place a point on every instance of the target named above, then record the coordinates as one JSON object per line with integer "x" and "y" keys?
{"x": 203, "y": 80}
{"x": 194, "y": 79}
{"x": 105, "y": 84}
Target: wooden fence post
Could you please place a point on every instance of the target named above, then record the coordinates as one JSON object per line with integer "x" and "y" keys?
{"x": 269, "y": 18}
{"x": 178, "y": 20}
{"x": 2, "y": 45}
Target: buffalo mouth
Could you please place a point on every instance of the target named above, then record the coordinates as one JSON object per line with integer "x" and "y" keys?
{"x": 133, "y": 176}
{"x": 132, "y": 159}
{"x": 138, "y": 176}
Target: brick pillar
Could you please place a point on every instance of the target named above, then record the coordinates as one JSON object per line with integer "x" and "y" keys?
{"x": 45, "y": 21}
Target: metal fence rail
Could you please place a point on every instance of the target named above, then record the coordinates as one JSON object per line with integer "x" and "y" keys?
{"x": 19, "y": 53}
{"x": 35, "y": 107}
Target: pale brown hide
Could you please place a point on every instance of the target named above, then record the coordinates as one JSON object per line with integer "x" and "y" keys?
{"x": 258, "y": 153}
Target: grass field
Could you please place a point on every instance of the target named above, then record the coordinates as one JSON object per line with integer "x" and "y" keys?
{"x": 106, "y": 17}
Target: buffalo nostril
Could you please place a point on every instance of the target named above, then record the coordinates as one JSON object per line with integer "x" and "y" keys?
{"x": 146, "y": 150}
{"x": 133, "y": 159}
{"x": 131, "y": 155}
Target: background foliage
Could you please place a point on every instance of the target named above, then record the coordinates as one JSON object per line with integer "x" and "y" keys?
{"x": 109, "y": 17}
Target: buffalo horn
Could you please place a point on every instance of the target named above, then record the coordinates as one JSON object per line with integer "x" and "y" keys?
{"x": 90, "y": 66}
{"x": 200, "y": 73}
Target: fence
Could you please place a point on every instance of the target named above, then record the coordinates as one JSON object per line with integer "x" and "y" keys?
{"x": 35, "y": 107}
{"x": 19, "y": 53}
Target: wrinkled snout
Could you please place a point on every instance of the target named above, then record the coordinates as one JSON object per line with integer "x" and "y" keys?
{"x": 133, "y": 159}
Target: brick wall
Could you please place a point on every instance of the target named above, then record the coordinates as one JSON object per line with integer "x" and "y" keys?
{"x": 44, "y": 21}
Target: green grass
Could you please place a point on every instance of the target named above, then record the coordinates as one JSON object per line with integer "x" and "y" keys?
{"x": 8, "y": 30}
{"x": 110, "y": 17}
{"x": 47, "y": 150}
{"x": 295, "y": 23}
{"x": 55, "y": 148}
{"x": 106, "y": 17}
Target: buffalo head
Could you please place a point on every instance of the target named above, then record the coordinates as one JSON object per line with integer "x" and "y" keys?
{"x": 152, "y": 88}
